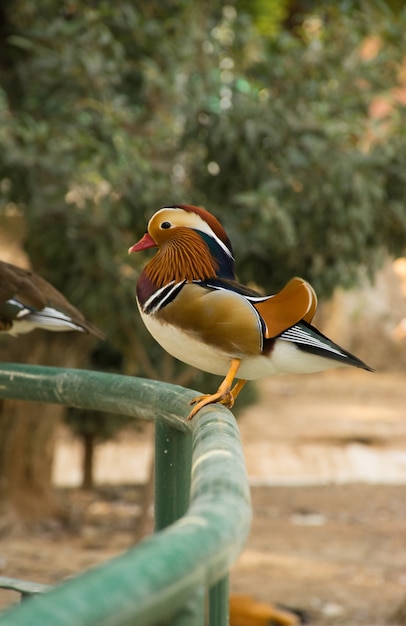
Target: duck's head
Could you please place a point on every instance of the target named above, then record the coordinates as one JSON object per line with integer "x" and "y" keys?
{"x": 170, "y": 223}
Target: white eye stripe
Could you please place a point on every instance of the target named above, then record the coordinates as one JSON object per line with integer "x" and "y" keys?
{"x": 195, "y": 221}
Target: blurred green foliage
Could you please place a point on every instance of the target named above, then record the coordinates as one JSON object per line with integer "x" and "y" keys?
{"x": 258, "y": 111}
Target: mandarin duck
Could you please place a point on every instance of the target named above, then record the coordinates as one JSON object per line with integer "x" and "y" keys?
{"x": 192, "y": 304}
{"x": 27, "y": 301}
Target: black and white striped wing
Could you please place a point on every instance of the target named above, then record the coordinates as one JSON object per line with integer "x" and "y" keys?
{"x": 307, "y": 338}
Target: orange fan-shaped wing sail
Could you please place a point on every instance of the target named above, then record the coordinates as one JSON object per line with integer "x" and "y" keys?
{"x": 297, "y": 301}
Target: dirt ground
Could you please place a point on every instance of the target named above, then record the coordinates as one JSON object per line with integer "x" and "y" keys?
{"x": 326, "y": 457}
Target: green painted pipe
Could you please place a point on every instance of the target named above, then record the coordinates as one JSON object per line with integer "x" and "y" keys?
{"x": 87, "y": 389}
{"x": 25, "y": 588}
{"x": 163, "y": 577}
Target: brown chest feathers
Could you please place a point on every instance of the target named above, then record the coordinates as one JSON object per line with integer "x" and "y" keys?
{"x": 184, "y": 257}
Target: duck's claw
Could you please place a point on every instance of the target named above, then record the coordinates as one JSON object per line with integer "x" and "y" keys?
{"x": 224, "y": 397}
{"x": 224, "y": 394}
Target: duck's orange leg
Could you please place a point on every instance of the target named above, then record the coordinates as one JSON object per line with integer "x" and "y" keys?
{"x": 237, "y": 388}
{"x": 224, "y": 394}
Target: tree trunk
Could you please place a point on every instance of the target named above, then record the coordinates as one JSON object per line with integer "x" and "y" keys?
{"x": 26, "y": 455}
{"x": 28, "y": 430}
{"x": 89, "y": 445}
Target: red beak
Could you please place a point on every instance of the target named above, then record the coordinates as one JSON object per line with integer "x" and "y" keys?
{"x": 143, "y": 244}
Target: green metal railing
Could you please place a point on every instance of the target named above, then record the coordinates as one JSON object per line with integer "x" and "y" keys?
{"x": 179, "y": 575}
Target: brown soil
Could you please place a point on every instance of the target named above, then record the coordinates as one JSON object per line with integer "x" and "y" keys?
{"x": 319, "y": 541}
{"x": 339, "y": 552}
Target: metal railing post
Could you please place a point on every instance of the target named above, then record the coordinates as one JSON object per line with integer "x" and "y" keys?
{"x": 218, "y": 603}
{"x": 173, "y": 460}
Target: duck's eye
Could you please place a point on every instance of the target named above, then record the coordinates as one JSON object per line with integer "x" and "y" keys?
{"x": 166, "y": 225}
